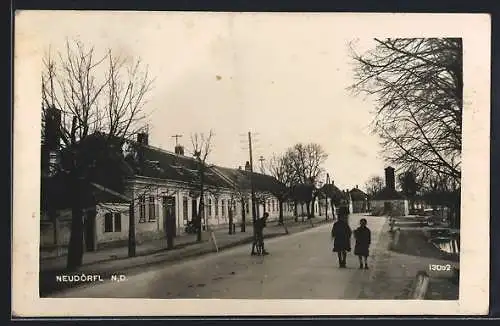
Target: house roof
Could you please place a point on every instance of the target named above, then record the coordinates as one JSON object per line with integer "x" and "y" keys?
{"x": 358, "y": 195}
{"x": 388, "y": 194}
{"x": 262, "y": 182}
{"x": 162, "y": 164}
{"x": 333, "y": 192}
{"x": 55, "y": 194}
{"x": 152, "y": 162}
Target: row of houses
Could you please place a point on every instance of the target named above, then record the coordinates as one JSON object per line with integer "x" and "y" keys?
{"x": 164, "y": 189}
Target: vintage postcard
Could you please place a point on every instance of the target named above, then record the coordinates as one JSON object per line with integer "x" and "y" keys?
{"x": 199, "y": 163}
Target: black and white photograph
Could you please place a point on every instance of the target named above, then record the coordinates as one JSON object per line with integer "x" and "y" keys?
{"x": 252, "y": 156}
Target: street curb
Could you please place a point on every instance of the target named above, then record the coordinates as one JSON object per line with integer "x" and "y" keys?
{"x": 171, "y": 259}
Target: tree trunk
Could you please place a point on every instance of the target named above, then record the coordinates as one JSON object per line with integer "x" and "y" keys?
{"x": 326, "y": 209}
{"x": 131, "y": 230}
{"x": 313, "y": 206}
{"x": 243, "y": 215}
{"x": 75, "y": 249}
{"x": 295, "y": 211}
{"x": 280, "y": 218}
{"x": 230, "y": 213}
{"x": 308, "y": 209}
{"x": 333, "y": 209}
{"x": 201, "y": 211}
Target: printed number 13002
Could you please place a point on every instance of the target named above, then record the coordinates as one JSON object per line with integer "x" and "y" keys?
{"x": 434, "y": 267}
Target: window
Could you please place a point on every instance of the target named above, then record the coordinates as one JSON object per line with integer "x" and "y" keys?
{"x": 185, "y": 208}
{"x": 216, "y": 207}
{"x": 118, "y": 222}
{"x": 274, "y": 205}
{"x": 108, "y": 222}
{"x": 223, "y": 208}
{"x": 152, "y": 210}
{"x": 142, "y": 209}
{"x": 112, "y": 222}
{"x": 209, "y": 208}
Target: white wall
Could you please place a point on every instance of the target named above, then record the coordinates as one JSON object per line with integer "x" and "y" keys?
{"x": 399, "y": 206}
{"x": 114, "y": 235}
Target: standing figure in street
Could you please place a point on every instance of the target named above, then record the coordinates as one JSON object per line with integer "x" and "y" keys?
{"x": 341, "y": 234}
{"x": 259, "y": 226}
{"x": 363, "y": 240}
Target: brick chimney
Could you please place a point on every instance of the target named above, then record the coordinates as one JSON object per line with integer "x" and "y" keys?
{"x": 390, "y": 182}
{"x": 179, "y": 150}
{"x": 247, "y": 166}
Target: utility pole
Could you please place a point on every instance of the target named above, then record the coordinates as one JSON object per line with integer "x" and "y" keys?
{"x": 254, "y": 212}
{"x": 176, "y": 139}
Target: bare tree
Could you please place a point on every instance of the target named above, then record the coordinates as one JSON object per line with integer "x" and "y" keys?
{"x": 418, "y": 87}
{"x": 280, "y": 167}
{"x": 374, "y": 185}
{"x": 202, "y": 147}
{"x": 96, "y": 96}
{"x": 306, "y": 162}
{"x": 409, "y": 186}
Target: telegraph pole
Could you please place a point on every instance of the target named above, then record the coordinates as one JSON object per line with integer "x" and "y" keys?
{"x": 254, "y": 213}
{"x": 176, "y": 139}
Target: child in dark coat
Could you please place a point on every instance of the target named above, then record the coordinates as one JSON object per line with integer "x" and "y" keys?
{"x": 363, "y": 240}
{"x": 341, "y": 233}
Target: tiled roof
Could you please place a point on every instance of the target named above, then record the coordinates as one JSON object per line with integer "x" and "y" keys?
{"x": 55, "y": 193}
{"x": 331, "y": 190}
{"x": 161, "y": 164}
{"x": 261, "y": 182}
{"x": 152, "y": 162}
{"x": 358, "y": 195}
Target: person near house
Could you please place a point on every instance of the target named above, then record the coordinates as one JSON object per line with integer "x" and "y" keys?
{"x": 341, "y": 234}
{"x": 260, "y": 224}
{"x": 362, "y": 236}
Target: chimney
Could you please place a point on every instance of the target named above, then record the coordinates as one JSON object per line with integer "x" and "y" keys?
{"x": 142, "y": 138}
{"x": 52, "y": 129}
{"x": 247, "y": 166}
{"x": 389, "y": 178}
{"x": 179, "y": 150}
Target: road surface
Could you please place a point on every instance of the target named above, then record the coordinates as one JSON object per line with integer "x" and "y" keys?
{"x": 300, "y": 265}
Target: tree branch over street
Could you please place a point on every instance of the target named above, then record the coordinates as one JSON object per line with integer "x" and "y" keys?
{"x": 417, "y": 84}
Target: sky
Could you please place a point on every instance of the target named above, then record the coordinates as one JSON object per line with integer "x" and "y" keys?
{"x": 282, "y": 77}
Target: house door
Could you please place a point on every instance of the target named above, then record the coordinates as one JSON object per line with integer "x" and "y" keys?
{"x": 90, "y": 243}
{"x": 169, "y": 218}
